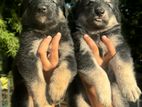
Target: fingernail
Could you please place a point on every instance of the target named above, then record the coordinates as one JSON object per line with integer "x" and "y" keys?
{"x": 58, "y": 33}
{"x": 85, "y": 35}
{"x": 104, "y": 37}
{"x": 49, "y": 37}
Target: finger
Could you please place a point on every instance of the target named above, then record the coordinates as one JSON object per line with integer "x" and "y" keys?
{"x": 54, "y": 55}
{"x": 109, "y": 45}
{"x": 45, "y": 62}
{"x": 111, "y": 50}
{"x": 91, "y": 43}
{"x": 44, "y": 45}
{"x": 106, "y": 59}
{"x": 42, "y": 51}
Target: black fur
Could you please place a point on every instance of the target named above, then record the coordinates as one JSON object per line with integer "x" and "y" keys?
{"x": 97, "y": 18}
{"x": 41, "y": 18}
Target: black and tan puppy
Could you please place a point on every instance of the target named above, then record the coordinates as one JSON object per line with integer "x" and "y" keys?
{"x": 97, "y": 18}
{"x": 42, "y": 18}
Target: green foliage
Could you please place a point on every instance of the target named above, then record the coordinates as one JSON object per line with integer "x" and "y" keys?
{"x": 14, "y": 22}
{"x": 10, "y": 28}
{"x": 8, "y": 40}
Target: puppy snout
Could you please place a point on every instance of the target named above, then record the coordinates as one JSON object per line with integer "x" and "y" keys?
{"x": 100, "y": 11}
{"x": 43, "y": 9}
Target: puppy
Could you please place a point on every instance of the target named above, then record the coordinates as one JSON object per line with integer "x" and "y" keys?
{"x": 41, "y": 18}
{"x": 116, "y": 82}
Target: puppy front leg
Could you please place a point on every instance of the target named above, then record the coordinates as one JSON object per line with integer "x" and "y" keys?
{"x": 34, "y": 81}
{"x": 64, "y": 73}
{"x": 30, "y": 68}
{"x": 117, "y": 99}
{"x": 38, "y": 92}
{"x": 122, "y": 65}
{"x": 94, "y": 74}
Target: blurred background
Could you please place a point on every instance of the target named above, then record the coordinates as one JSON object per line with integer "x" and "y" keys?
{"x": 10, "y": 28}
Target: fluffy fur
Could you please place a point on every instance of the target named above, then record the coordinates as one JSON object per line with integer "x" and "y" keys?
{"x": 42, "y": 18}
{"x": 116, "y": 82}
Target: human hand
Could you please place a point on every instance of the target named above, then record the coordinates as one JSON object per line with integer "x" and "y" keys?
{"x": 50, "y": 60}
{"x": 90, "y": 90}
{"x": 108, "y": 56}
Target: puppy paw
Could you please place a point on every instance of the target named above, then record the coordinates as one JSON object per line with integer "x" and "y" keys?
{"x": 56, "y": 91}
{"x": 103, "y": 89}
{"x": 105, "y": 100}
{"x": 104, "y": 92}
{"x": 104, "y": 96}
{"x": 132, "y": 93}
{"x": 59, "y": 82}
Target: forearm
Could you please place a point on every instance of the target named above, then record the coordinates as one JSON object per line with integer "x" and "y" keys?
{"x": 91, "y": 94}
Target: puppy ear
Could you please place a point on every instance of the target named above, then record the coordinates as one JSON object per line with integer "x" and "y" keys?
{"x": 108, "y": 1}
{"x": 59, "y": 2}
{"x": 55, "y": 1}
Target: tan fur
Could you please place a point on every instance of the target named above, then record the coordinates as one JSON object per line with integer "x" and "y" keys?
{"x": 59, "y": 81}
{"x": 125, "y": 78}
{"x": 117, "y": 98}
{"x": 30, "y": 103}
{"x": 61, "y": 15}
{"x": 35, "y": 44}
{"x": 42, "y": 19}
{"x": 115, "y": 41}
{"x": 81, "y": 102}
{"x": 93, "y": 78}
{"x": 100, "y": 77}
{"x": 112, "y": 21}
{"x": 39, "y": 88}
{"x": 40, "y": 95}
{"x": 65, "y": 46}
{"x": 108, "y": 0}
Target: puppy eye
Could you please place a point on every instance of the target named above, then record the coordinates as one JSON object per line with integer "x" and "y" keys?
{"x": 89, "y": 3}
{"x": 54, "y": 1}
{"x": 110, "y": 5}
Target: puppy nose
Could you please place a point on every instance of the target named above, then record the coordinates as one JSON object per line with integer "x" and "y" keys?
{"x": 43, "y": 8}
{"x": 100, "y": 11}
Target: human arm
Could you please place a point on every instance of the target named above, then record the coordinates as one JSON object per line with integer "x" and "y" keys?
{"x": 90, "y": 90}
{"x": 49, "y": 64}
{"x": 49, "y": 61}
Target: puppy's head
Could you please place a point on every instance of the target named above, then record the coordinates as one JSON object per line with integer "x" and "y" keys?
{"x": 42, "y": 12}
{"x": 96, "y": 14}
